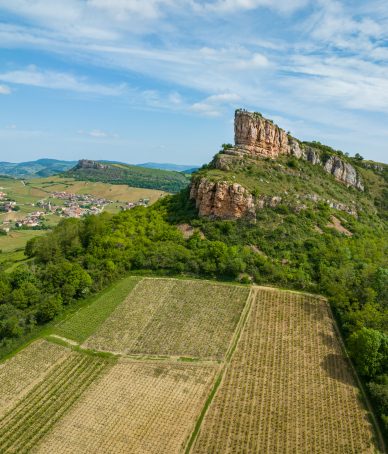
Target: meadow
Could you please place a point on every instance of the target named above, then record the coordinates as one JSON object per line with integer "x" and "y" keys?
{"x": 28, "y": 192}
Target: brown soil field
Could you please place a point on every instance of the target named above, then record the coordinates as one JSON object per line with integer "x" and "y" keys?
{"x": 173, "y": 317}
{"x": 137, "y": 407}
{"x": 288, "y": 387}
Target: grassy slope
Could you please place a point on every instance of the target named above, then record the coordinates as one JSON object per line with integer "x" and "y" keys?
{"x": 87, "y": 319}
{"x": 289, "y": 178}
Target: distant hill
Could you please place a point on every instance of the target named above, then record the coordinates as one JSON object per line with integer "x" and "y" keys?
{"x": 33, "y": 169}
{"x": 140, "y": 177}
{"x": 168, "y": 166}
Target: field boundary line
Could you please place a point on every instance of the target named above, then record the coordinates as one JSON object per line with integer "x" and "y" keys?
{"x": 140, "y": 358}
{"x": 366, "y": 401}
{"x": 286, "y": 290}
{"x": 228, "y": 355}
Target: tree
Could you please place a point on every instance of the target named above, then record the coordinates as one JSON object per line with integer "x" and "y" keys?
{"x": 358, "y": 157}
{"x": 365, "y": 347}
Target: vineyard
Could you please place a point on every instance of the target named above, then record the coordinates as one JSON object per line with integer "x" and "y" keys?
{"x": 173, "y": 317}
{"x": 199, "y": 367}
{"x": 87, "y": 319}
{"x": 288, "y": 387}
{"x": 137, "y": 408}
{"x": 20, "y": 373}
{"x": 34, "y": 415}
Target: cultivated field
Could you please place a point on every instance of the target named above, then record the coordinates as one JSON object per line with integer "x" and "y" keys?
{"x": 288, "y": 388}
{"x": 34, "y": 415}
{"x": 213, "y": 369}
{"x": 88, "y": 318}
{"x": 22, "y": 372}
{"x": 137, "y": 407}
{"x": 173, "y": 317}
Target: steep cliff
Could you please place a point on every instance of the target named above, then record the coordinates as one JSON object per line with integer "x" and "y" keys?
{"x": 89, "y": 164}
{"x": 263, "y": 169}
{"x": 256, "y": 136}
{"x": 222, "y": 200}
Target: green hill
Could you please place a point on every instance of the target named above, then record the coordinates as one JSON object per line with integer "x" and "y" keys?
{"x": 33, "y": 169}
{"x": 140, "y": 177}
{"x": 270, "y": 210}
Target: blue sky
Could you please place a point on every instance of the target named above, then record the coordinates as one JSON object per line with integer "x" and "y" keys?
{"x": 159, "y": 80}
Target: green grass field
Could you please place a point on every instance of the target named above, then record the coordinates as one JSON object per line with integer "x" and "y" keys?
{"x": 87, "y": 319}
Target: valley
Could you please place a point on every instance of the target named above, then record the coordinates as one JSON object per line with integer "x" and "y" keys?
{"x": 30, "y": 207}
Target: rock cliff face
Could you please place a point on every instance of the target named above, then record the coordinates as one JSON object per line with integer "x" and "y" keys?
{"x": 222, "y": 200}
{"x": 255, "y": 135}
{"x": 343, "y": 172}
{"x": 258, "y": 137}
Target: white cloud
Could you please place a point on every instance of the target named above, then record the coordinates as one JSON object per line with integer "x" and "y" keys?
{"x": 213, "y": 105}
{"x": 57, "y": 80}
{"x": 230, "y": 6}
{"x": 98, "y": 134}
{"x": 5, "y": 90}
{"x": 255, "y": 62}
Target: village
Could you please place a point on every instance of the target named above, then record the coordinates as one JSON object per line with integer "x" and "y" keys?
{"x": 62, "y": 204}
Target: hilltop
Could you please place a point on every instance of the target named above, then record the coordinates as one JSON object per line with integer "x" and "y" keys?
{"x": 267, "y": 167}
{"x": 34, "y": 169}
{"x": 140, "y": 177}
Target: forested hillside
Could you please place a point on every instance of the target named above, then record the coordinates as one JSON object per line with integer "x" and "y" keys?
{"x": 139, "y": 177}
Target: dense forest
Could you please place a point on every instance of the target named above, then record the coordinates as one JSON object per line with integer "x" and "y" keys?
{"x": 282, "y": 248}
{"x": 139, "y": 177}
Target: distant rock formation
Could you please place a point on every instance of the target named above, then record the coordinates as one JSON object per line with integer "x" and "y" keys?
{"x": 89, "y": 164}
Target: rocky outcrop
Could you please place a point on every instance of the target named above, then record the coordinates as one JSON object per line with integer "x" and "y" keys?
{"x": 257, "y": 136}
{"x": 343, "y": 172}
{"x": 222, "y": 200}
{"x": 89, "y": 164}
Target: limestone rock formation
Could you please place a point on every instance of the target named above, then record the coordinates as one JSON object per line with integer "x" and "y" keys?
{"x": 344, "y": 172}
{"x": 257, "y": 138}
{"x": 255, "y": 135}
{"x": 222, "y": 200}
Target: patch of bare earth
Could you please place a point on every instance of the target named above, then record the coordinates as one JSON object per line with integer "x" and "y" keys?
{"x": 188, "y": 231}
{"x": 336, "y": 225}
